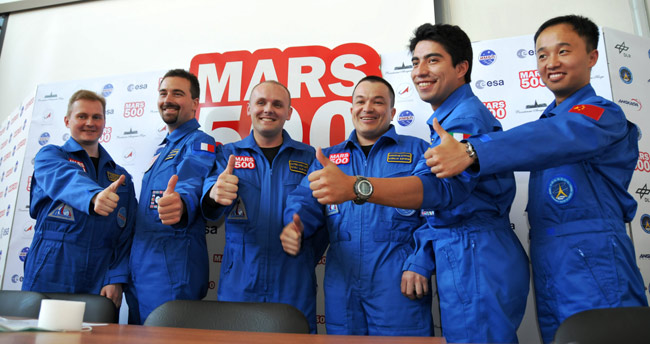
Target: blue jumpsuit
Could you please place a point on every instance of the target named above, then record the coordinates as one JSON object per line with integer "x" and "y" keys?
{"x": 368, "y": 243}
{"x": 582, "y": 154}
{"x": 171, "y": 262}
{"x": 255, "y": 268}
{"x": 481, "y": 268}
{"x": 75, "y": 250}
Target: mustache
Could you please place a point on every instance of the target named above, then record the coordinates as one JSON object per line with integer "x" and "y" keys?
{"x": 166, "y": 106}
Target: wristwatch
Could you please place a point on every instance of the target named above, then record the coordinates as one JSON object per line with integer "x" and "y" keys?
{"x": 363, "y": 189}
{"x": 470, "y": 150}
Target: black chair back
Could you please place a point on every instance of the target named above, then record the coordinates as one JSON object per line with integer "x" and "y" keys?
{"x": 608, "y": 325}
{"x": 99, "y": 309}
{"x": 231, "y": 316}
{"x": 20, "y": 303}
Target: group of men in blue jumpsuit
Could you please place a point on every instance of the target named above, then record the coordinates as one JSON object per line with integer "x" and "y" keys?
{"x": 169, "y": 257}
{"x": 84, "y": 205}
{"x": 481, "y": 268}
{"x": 581, "y": 154}
{"x": 249, "y": 187}
{"x": 369, "y": 242}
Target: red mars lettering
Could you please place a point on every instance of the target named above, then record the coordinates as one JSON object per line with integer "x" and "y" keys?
{"x": 319, "y": 79}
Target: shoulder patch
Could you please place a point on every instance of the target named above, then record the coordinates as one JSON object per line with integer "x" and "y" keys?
{"x": 591, "y": 111}
{"x": 78, "y": 163}
{"x": 460, "y": 136}
{"x": 298, "y": 167}
{"x": 399, "y": 157}
{"x": 340, "y": 158}
{"x": 332, "y": 209}
{"x": 203, "y": 147}
{"x": 62, "y": 212}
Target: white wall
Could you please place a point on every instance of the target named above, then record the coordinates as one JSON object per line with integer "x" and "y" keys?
{"x": 109, "y": 37}
{"x": 506, "y": 18}
{"x": 113, "y": 37}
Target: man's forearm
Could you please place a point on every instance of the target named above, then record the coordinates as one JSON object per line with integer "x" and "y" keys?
{"x": 402, "y": 192}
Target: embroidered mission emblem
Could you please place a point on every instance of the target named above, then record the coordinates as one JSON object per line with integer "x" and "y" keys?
{"x": 561, "y": 190}
{"x": 62, "y": 212}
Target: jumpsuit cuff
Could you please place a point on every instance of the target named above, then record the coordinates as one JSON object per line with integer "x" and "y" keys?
{"x": 417, "y": 269}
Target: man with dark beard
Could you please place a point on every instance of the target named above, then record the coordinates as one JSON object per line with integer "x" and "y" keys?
{"x": 169, "y": 254}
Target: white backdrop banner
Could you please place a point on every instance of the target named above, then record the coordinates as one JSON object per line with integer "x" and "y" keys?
{"x": 504, "y": 77}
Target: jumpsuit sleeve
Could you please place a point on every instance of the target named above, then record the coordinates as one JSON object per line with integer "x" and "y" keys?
{"x": 212, "y": 210}
{"x": 191, "y": 171}
{"x": 550, "y": 141}
{"x": 422, "y": 259}
{"x": 301, "y": 201}
{"x": 118, "y": 271}
{"x": 63, "y": 180}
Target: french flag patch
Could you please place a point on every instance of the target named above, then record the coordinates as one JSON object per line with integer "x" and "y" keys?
{"x": 204, "y": 147}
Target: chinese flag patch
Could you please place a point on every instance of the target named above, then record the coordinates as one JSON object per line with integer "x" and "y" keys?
{"x": 591, "y": 111}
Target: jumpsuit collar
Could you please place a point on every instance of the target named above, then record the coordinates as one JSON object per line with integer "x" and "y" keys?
{"x": 461, "y": 93}
{"x": 287, "y": 142}
{"x": 182, "y": 130}
{"x": 390, "y": 135}
{"x": 584, "y": 92}
{"x": 72, "y": 146}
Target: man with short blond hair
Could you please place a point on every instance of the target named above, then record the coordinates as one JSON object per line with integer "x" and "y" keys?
{"x": 84, "y": 205}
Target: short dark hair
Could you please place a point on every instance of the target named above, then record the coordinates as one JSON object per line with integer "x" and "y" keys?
{"x": 86, "y": 95}
{"x": 583, "y": 26}
{"x": 195, "y": 87}
{"x": 452, "y": 38}
{"x": 375, "y": 78}
{"x": 274, "y": 82}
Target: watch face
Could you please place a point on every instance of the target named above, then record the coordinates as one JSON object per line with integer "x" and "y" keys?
{"x": 365, "y": 188}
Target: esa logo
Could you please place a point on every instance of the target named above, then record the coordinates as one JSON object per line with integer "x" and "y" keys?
{"x": 530, "y": 79}
{"x": 523, "y": 53}
{"x": 133, "y": 87}
{"x": 481, "y": 84}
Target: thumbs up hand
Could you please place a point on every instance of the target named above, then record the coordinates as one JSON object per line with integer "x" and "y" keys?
{"x": 450, "y": 157}
{"x": 291, "y": 236}
{"x": 106, "y": 201}
{"x": 170, "y": 205}
{"x": 330, "y": 185}
{"x": 224, "y": 191}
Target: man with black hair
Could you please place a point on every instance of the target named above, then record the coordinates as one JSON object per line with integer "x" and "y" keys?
{"x": 581, "y": 154}
{"x": 369, "y": 242}
{"x": 481, "y": 269}
{"x": 169, "y": 258}
{"x": 249, "y": 186}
